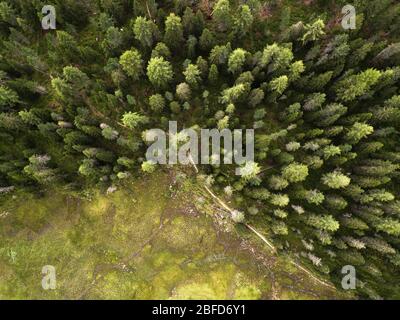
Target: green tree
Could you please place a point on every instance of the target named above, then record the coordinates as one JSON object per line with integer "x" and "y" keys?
{"x": 66, "y": 48}
{"x": 39, "y": 170}
{"x": 113, "y": 41}
{"x": 295, "y": 172}
{"x": 191, "y": 44}
{"x": 29, "y": 117}
{"x": 335, "y": 180}
{"x": 279, "y": 84}
{"x": 188, "y": 20}
{"x": 280, "y": 228}
{"x": 144, "y": 31}
{"x": 173, "y": 31}
{"x": 220, "y": 54}
{"x": 314, "y": 197}
{"x": 213, "y": 74}
{"x": 335, "y": 202}
{"x": 387, "y": 53}
{"x": 133, "y": 119}
{"x": 222, "y": 14}
{"x": 296, "y": 69}
{"x": 157, "y": 102}
{"x": 233, "y": 94}
{"x": 161, "y": 50}
{"x": 207, "y": 40}
{"x": 148, "y": 167}
{"x": 237, "y": 60}
{"x": 389, "y": 226}
{"x": 244, "y": 20}
{"x": 323, "y": 222}
{"x": 87, "y": 168}
{"x": 276, "y": 57}
{"x": 192, "y": 75}
{"x": 256, "y": 97}
{"x": 279, "y": 200}
{"x": 8, "y": 97}
{"x": 358, "y": 131}
{"x": 277, "y": 182}
{"x": 159, "y": 72}
{"x": 238, "y": 216}
{"x": 108, "y": 132}
{"x": 357, "y": 85}
{"x": 313, "y": 31}
{"x": 183, "y": 91}
{"x": 249, "y": 170}
{"x": 132, "y": 63}
{"x": 7, "y": 14}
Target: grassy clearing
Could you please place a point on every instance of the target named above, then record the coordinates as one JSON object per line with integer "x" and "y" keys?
{"x": 147, "y": 241}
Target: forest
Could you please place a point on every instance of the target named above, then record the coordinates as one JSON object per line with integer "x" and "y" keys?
{"x": 77, "y": 98}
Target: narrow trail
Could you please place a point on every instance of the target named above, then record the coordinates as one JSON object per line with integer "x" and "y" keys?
{"x": 258, "y": 234}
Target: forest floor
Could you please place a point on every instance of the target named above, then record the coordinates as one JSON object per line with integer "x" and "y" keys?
{"x": 157, "y": 238}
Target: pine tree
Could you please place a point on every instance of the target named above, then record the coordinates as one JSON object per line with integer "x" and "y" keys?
{"x": 244, "y": 21}
{"x": 237, "y": 60}
{"x": 387, "y": 53}
{"x": 358, "y": 131}
{"x": 161, "y": 50}
{"x": 66, "y": 48}
{"x": 132, "y": 63}
{"x": 148, "y": 167}
{"x": 335, "y": 180}
{"x": 133, "y": 119}
{"x": 7, "y": 14}
{"x": 233, "y": 94}
{"x": 213, "y": 74}
{"x": 144, "y": 31}
{"x": 188, "y": 20}
{"x": 389, "y": 226}
{"x": 313, "y": 31}
{"x": 357, "y": 85}
{"x": 276, "y": 57}
{"x": 183, "y": 91}
{"x": 8, "y": 97}
{"x": 202, "y": 64}
{"x": 277, "y": 182}
{"x": 192, "y": 75}
{"x": 279, "y": 85}
{"x": 191, "y": 45}
{"x": 295, "y": 172}
{"x": 173, "y": 31}
{"x": 207, "y": 40}
{"x": 256, "y": 97}
{"x": 222, "y": 15}
{"x": 157, "y": 102}
{"x": 159, "y": 72}
{"x": 279, "y": 200}
{"x": 323, "y": 222}
{"x": 335, "y": 202}
{"x": 113, "y": 41}
{"x": 219, "y": 54}
{"x": 249, "y": 170}
{"x": 314, "y": 196}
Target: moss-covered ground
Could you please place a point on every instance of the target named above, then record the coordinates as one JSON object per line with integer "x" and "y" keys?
{"x": 147, "y": 240}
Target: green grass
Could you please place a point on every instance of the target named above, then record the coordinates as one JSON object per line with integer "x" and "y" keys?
{"x": 146, "y": 241}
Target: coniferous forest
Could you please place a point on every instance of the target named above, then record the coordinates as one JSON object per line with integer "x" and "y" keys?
{"x": 76, "y": 102}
